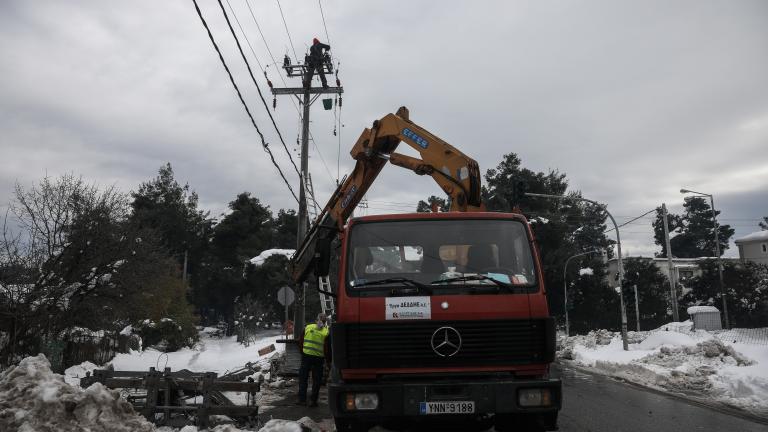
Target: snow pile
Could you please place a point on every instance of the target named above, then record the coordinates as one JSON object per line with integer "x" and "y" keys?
{"x": 211, "y": 354}
{"x": 73, "y": 374}
{"x": 695, "y": 363}
{"x": 32, "y": 398}
{"x": 259, "y": 260}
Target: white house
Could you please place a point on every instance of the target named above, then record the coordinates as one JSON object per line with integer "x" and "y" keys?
{"x": 683, "y": 268}
{"x": 754, "y": 247}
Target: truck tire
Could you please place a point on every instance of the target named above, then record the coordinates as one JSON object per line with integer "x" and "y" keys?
{"x": 349, "y": 425}
{"x": 518, "y": 423}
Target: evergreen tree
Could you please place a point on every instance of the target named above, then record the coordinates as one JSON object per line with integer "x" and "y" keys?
{"x": 746, "y": 286}
{"x": 764, "y": 223}
{"x": 243, "y": 233}
{"x": 171, "y": 210}
{"x": 652, "y": 292}
{"x": 693, "y": 231}
{"x": 426, "y": 206}
{"x": 285, "y": 226}
{"x": 562, "y": 229}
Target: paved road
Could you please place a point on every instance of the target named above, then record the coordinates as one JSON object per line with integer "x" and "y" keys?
{"x": 596, "y": 404}
{"x": 591, "y": 403}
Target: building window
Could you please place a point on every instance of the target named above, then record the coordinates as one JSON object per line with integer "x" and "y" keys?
{"x": 765, "y": 247}
{"x": 685, "y": 274}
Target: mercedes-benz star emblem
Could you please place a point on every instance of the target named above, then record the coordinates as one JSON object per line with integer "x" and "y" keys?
{"x": 446, "y": 341}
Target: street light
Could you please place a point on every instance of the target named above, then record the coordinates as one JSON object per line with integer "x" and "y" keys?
{"x": 565, "y": 288}
{"x": 717, "y": 252}
{"x": 624, "y": 341}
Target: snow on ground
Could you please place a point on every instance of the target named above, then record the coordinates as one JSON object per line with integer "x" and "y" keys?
{"x": 73, "y": 374}
{"x": 259, "y": 260}
{"x": 32, "y": 398}
{"x": 210, "y": 354}
{"x": 675, "y": 358}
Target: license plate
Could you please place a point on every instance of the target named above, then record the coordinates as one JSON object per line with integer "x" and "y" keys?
{"x": 447, "y": 407}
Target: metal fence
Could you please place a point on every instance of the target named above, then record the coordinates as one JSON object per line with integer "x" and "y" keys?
{"x": 77, "y": 349}
{"x": 751, "y": 336}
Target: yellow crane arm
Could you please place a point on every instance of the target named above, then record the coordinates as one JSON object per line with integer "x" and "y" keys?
{"x": 456, "y": 173}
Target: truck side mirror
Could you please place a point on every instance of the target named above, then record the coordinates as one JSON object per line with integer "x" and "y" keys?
{"x": 322, "y": 257}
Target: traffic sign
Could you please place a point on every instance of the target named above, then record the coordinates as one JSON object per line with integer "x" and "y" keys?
{"x": 286, "y": 296}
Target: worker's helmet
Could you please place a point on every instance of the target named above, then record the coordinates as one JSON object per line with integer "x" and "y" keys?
{"x": 315, "y": 41}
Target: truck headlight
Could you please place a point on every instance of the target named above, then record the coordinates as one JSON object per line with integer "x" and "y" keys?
{"x": 361, "y": 401}
{"x": 534, "y": 397}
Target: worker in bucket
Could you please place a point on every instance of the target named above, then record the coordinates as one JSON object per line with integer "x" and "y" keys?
{"x": 315, "y": 62}
{"x": 313, "y": 348}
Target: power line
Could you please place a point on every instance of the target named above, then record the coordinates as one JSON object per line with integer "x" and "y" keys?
{"x": 327, "y": 38}
{"x": 246, "y": 38}
{"x": 242, "y": 101}
{"x": 286, "y": 30}
{"x": 631, "y": 220}
{"x": 261, "y": 96}
{"x": 274, "y": 62}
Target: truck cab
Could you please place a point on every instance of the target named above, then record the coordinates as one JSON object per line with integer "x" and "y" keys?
{"x": 442, "y": 316}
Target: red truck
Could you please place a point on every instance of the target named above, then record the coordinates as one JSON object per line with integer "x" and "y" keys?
{"x": 439, "y": 316}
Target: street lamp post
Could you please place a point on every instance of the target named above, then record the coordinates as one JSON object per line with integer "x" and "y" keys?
{"x": 565, "y": 289}
{"x": 624, "y": 341}
{"x": 717, "y": 252}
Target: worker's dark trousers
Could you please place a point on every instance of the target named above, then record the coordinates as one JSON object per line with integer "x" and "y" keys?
{"x": 311, "y": 72}
{"x": 315, "y": 364}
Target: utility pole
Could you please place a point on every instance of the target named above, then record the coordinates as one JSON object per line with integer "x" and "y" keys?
{"x": 671, "y": 267}
{"x": 624, "y": 340}
{"x": 308, "y": 96}
{"x": 637, "y": 310}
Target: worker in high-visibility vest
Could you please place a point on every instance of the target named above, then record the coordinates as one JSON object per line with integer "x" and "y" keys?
{"x": 312, "y": 359}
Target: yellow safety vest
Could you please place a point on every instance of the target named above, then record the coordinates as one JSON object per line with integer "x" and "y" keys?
{"x": 314, "y": 339}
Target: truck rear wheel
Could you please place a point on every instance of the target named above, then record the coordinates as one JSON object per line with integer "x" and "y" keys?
{"x": 349, "y": 425}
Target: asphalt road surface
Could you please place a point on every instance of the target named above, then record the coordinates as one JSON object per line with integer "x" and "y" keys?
{"x": 599, "y": 404}
{"x": 591, "y": 403}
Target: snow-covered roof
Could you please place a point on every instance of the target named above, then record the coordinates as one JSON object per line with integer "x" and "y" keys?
{"x": 259, "y": 260}
{"x": 755, "y": 236}
{"x": 700, "y": 309}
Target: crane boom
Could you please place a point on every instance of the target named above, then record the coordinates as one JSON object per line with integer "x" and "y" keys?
{"x": 456, "y": 173}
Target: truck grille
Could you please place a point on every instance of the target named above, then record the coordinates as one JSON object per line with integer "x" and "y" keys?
{"x": 483, "y": 343}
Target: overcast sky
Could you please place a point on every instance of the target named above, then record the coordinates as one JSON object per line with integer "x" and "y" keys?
{"x": 632, "y": 100}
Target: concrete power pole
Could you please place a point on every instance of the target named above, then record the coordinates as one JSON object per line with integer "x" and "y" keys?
{"x": 308, "y": 96}
{"x": 671, "y": 267}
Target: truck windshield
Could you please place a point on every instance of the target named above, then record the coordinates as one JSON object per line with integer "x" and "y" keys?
{"x": 449, "y": 254}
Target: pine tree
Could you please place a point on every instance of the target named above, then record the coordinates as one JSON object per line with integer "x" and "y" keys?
{"x": 652, "y": 291}
{"x": 692, "y": 233}
{"x": 562, "y": 229}
{"x": 426, "y": 206}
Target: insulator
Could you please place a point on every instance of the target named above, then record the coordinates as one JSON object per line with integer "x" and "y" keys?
{"x": 338, "y": 83}
{"x": 274, "y": 102}
{"x": 334, "y": 131}
{"x": 339, "y": 101}
{"x": 269, "y": 83}
{"x": 265, "y": 74}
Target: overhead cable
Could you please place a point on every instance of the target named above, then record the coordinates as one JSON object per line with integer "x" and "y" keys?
{"x": 327, "y": 38}
{"x": 286, "y": 30}
{"x": 242, "y": 101}
{"x": 250, "y": 72}
{"x": 295, "y": 106}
